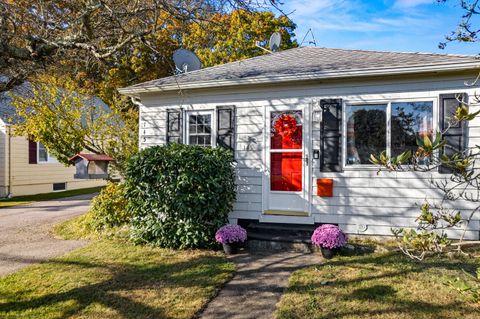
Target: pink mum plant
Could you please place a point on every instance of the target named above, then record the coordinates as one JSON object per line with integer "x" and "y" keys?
{"x": 229, "y": 233}
{"x": 329, "y": 236}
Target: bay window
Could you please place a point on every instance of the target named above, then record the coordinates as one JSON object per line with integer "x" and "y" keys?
{"x": 392, "y": 126}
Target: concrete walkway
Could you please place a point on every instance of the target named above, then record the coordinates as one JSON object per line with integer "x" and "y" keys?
{"x": 24, "y": 231}
{"x": 257, "y": 286}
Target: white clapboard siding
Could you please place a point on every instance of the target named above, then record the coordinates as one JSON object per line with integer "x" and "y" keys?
{"x": 387, "y": 230}
{"x": 362, "y": 196}
{"x": 398, "y": 221}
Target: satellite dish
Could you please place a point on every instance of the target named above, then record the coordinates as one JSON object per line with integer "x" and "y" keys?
{"x": 186, "y": 61}
{"x": 274, "y": 42}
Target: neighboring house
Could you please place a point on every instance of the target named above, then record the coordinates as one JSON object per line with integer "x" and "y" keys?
{"x": 305, "y": 119}
{"x": 26, "y": 168}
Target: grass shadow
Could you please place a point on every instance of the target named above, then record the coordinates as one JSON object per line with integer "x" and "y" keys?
{"x": 129, "y": 290}
{"x": 380, "y": 285}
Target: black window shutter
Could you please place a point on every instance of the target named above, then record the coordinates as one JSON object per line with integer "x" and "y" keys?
{"x": 32, "y": 152}
{"x": 456, "y": 134}
{"x": 174, "y": 126}
{"x": 226, "y": 126}
{"x": 331, "y": 135}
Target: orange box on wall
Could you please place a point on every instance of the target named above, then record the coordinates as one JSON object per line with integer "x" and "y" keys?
{"x": 325, "y": 187}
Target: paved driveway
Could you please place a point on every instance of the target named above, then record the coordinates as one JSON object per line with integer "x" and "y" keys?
{"x": 24, "y": 231}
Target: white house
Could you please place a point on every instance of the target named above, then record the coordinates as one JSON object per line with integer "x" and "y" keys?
{"x": 303, "y": 122}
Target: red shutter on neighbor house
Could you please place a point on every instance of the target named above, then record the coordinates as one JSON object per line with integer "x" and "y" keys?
{"x": 32, "y": 152}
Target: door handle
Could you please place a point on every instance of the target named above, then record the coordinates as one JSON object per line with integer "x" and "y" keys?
{"x": 306, "y": 160}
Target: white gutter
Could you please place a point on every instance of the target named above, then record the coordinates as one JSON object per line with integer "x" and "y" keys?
{"x": 303, "y": 77}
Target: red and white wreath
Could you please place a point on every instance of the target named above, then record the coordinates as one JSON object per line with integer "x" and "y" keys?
{"x": 286, "y": 125}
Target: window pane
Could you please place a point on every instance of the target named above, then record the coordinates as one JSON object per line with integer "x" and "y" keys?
{"x": 286, "y": 171}
{"x": 409, "y": 120}
{"x": 42, "y": 153}
{"x": 208, "y": 139}
{"x": 208, "y": 128}
{"x": 366, "y": 132}
{"x": 59, "y": 186}
{"x": 206, "y": 119}
{"x": 286, "y": 130}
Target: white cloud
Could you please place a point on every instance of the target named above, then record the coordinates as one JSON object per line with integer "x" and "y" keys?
{"x": 328, "y": 15}
{"x": 398, "y": 25}
{"x": 348, "y": 15}
{"x": 307, "y": 7}
{"x": 402, "y": 4}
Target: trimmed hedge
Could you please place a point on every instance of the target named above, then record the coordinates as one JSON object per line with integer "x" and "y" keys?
{"x": 179, "y": 195}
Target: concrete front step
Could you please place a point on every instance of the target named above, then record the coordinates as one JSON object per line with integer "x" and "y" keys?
{"x": 272, "y": 237}
{"x": 288, "y": 238}
{"x": 256, "y": 245}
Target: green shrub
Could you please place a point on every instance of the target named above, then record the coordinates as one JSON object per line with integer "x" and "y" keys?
{"x": 179, "y": 195}
{"x": 108, "y": 209}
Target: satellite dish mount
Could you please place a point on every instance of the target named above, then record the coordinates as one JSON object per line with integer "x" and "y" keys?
{"x": 273, "y": 43}
{"x": 186, "y": 61}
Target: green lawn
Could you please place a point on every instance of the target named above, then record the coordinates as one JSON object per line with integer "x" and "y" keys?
{"x": 115, "y": 279}
{"x": 380, "y": 286}
{"x": 48, "y": 196}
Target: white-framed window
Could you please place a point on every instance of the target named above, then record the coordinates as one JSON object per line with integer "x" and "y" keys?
{"x": 43, "y": 156}
{"x": 393, "y": 126}
{"x": 200, "y": 128}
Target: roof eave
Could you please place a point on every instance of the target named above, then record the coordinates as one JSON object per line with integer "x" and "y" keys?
{"x": 302, "y": 77}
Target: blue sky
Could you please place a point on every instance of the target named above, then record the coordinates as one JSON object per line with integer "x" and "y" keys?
{"x": 391, "y": 25}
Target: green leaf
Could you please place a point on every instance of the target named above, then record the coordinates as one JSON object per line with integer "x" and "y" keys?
{"x": 172, "y": 182}
{"x": 427, "y": 143}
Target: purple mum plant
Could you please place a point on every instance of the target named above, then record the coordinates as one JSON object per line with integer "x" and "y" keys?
{"x": 229, "y": 233}
{"x": 329, "y": 236}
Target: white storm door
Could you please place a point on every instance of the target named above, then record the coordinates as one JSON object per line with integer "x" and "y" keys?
{"x": 287, "y": 160}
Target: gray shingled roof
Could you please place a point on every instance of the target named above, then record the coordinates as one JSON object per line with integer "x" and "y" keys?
{"x": 306, "y": 63}
{"x": 7, "y": 110}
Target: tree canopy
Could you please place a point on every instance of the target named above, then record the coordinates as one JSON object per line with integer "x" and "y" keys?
{"x": 41, "y": 35}
{"x": 68, "y": 50}
{"x": 231, "y": 37}
{"x": 68, "y": 121}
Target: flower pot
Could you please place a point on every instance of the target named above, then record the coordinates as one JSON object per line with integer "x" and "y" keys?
{"x": 230, "y": 249}
{"x": 328, "y": 253}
